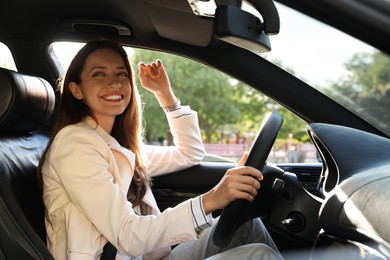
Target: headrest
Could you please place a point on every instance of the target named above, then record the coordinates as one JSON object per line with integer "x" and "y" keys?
{"x": 25, "y": 101}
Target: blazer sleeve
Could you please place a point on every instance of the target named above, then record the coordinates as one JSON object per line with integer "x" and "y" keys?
{"x": 81, "y": 162}
{"x": 188, "y": 149}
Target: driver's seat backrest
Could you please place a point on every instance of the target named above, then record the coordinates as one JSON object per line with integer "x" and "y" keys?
{"x": 26, "y": 104}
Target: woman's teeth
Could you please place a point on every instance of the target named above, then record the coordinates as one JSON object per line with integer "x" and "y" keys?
{"x": 113, "y": 97}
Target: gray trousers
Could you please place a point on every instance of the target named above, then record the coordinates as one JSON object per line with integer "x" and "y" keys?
{"x": 250, "y": 241}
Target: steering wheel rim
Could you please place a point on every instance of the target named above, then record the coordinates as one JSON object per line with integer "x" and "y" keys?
{"x": 240, "y": 211}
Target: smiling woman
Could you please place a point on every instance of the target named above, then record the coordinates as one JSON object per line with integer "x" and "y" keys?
{"x": 96, "y": 152}
{"x": 104, "y": 67}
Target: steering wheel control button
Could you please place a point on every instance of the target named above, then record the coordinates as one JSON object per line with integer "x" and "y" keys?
{"x": 278, "y": 186}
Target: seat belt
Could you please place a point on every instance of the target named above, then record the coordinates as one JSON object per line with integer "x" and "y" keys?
{"x": 109, "y": 252}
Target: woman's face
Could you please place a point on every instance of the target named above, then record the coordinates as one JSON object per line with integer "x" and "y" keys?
{"x": 105, "y": 85}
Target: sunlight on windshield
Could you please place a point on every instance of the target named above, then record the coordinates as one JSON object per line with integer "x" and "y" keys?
{"x": 347, "y": 70}
{"x": 314, "y": 51}
{"x": 6, "y": 59}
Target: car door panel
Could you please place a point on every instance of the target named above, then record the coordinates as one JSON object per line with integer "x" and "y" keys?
{"x": 173, "y": 188}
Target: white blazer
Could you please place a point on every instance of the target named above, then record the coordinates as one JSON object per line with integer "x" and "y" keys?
{"x": 85, "y": 195}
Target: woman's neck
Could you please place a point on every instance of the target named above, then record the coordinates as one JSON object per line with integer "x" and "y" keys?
{"x": 106, "y": 123}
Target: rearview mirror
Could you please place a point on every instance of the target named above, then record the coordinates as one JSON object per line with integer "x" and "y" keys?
{"x": 246, "y": 30}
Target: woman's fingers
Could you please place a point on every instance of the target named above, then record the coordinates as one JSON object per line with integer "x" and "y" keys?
{"x": 246, "y": 170}
{"x": 152, "y": 69}
{"x": 243, "y": 159}
{"x": 245, "y": 190}
{"x": 235, "y": 186}
{"x": 241, "y": 182}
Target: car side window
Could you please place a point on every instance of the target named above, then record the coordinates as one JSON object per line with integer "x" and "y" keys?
{"x": 230, "y": 112}
{"x": 6, "y": 59}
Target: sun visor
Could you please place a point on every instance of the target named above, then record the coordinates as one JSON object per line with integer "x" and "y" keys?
{"x": 191, "y": 29}
{"x": 201, "y": 20}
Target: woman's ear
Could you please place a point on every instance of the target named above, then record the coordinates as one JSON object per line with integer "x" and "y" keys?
{"x": 75, "y": 90}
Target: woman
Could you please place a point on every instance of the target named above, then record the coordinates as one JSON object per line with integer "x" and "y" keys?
{"x": 96, "y": 171}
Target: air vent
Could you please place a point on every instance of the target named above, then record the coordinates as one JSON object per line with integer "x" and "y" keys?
{"x": 308, "y": 179}
{"x": 309, "y": 176}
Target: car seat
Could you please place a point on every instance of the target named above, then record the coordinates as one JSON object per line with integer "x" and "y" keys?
{"x": 26, "y": 105}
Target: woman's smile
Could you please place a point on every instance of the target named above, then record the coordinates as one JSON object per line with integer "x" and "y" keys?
{"x": 115, "y": 97}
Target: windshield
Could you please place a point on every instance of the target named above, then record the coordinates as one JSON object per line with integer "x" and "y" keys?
{"x": 347, "y": 70}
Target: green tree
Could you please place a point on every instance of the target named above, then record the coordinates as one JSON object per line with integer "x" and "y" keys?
{"x": 222, "y": 102}
{"x": 195, "y": 84}
{"x": 366, "y": 87}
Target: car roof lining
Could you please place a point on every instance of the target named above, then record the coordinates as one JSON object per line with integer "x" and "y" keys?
{"x": 158, "y": 18}
{"x": 192, "y": 29}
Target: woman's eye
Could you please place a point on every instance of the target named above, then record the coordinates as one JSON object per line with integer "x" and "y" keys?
{"x": 97, "y": 74}
{"x": 123, "y": 73}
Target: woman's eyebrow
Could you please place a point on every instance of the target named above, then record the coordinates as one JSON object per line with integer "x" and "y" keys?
{"x": 104, "y": 67}
{"x": 97, "y": 67}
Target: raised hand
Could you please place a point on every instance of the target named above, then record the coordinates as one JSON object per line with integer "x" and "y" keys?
{"x": 154, "y": 78}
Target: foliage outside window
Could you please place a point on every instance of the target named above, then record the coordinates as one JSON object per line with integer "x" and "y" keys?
{"x": 366, "y": 88}
{"x": 229, "y": 111}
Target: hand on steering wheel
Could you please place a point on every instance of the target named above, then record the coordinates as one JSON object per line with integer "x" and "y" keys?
{"x": 241, "y": 182}
{"x": 240, "y": 211}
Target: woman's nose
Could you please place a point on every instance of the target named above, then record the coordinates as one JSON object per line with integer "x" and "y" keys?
{"x": 114, "y": 82}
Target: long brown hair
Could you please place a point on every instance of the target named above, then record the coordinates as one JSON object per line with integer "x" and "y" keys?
{"x": 127, "y": 129}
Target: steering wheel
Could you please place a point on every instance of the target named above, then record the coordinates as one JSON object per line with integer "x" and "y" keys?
{"x": 240, "y": 211}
